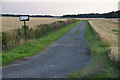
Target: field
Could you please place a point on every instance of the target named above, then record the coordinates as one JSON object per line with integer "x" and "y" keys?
{"x": 9, "y": 23}
{"x": 108, "y": 31}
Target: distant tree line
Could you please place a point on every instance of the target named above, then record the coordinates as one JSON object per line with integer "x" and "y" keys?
{"x": 15, "y": 15}
{"x": 113, "y": 14}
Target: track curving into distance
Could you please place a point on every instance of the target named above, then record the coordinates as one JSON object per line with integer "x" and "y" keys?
{"x": 68, "y": 54}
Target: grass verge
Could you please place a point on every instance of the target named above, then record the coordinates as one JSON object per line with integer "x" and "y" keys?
{"x": 101, "y": 67}
{"x": 30, "y": 49}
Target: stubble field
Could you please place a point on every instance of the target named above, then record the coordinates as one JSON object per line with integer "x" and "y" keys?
{"x": 108, "y": 31}
{"x": 9, "y": 23}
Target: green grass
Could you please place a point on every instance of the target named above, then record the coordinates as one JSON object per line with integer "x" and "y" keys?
{"x": 115, "y": 30}
{"x": 30, "y": 49}
{"x": 101, "y": 66}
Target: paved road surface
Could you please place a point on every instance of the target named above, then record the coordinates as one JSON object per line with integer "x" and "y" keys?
{"x": 68, "y": 54}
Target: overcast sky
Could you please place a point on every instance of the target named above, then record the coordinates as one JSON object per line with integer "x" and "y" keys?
{"x": 58, "y": 7}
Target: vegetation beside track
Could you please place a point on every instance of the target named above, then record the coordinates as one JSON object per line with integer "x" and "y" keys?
{"x": 101, "y": 66}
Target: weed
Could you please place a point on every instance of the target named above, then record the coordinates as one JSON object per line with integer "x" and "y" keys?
{"x": 115, "y": 30}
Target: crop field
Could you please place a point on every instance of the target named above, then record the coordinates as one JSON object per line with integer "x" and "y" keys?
{"x": 108, "y": 31}
{"x": 9, "y": 23}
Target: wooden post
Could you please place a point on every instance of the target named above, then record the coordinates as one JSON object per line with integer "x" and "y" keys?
{"x": 24, "y": 18}
{"x": 25, "y": 32}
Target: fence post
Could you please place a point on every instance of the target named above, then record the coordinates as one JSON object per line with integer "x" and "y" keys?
{"x": 25, "y": 32}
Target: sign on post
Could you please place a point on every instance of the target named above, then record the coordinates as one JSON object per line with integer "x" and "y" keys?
{"x": 24, "y": 18}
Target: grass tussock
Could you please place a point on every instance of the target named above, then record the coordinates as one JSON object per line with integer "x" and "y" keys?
{"x": 101, "y": 66}
{"x": 115, "y": 30}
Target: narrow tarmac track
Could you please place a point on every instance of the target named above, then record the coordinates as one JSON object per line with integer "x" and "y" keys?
{"x": 68, "y": 54}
